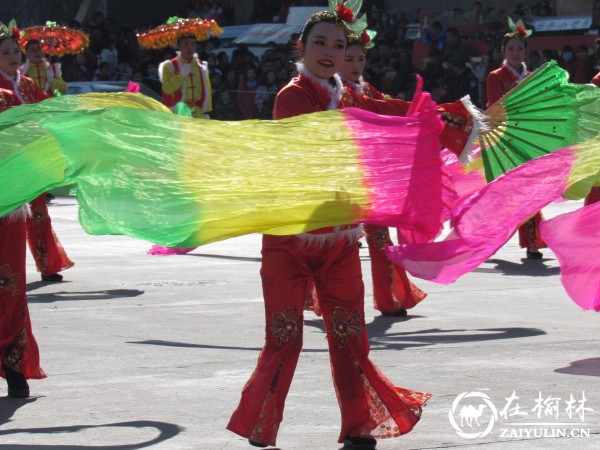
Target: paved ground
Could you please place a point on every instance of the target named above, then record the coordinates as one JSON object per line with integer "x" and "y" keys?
{"x": 152, "y": 352}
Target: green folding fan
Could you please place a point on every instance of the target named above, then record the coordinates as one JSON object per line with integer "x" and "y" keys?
{"x": 541, "y": 114}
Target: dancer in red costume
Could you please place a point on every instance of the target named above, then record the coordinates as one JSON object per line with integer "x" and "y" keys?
{"x": 499, "y": 82}
{"x": 19, "y": 354}
{"x": 393, "y": 292}
{"x": 371, "y": 406}
{"x": 49, "y": 255}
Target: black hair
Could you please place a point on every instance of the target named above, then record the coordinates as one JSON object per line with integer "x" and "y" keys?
{"x": 320, "y": 17}
{"x": 185, "y": 36}
{"x": 31, "y": 42}
{"x": 512, "y": 35}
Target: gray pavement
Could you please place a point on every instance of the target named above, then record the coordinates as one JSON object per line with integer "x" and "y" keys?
{"x": 152, "y": 352}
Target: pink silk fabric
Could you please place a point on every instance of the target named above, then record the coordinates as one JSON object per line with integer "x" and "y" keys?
{"x": 575, "y": 240}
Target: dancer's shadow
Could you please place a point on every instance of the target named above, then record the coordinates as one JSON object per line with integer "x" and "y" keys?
{"x": 166, "y": 431}
{"x": 8, "y": 406}
{"x": 380, "y": 340}
{"x": 528, "y": 267}
{"x": 64, "y": 296}
{"x": 377, "y": 327}
{"x": 589, "y": 366}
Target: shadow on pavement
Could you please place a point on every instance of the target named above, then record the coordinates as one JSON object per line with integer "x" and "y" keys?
{"x": 435, "y": 336}
{"x": 166, "y": 431}
{"x": 8, "y": 406}
{"x": 188, "y": 345}
{"x": 589, "y": 366}
{"x": 63, "y": 296}
{"x": 528, "y": 267}
{"x": 395, "y": 341}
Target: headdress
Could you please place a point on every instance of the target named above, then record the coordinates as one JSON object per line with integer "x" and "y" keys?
{"x": 346, "y": 13}
{"x": 10, "y": 30}
{"x": 176, "y": 27}
{"x": 519, "y": 28}
{"x": 363, "y": 40}
{"x": 55, "y": 40}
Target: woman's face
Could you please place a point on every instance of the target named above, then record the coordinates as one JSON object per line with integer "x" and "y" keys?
{"x": 514, "y": 52}
{"x": 10, "y": 57}
{"x": 323, "y": 54}
{"x": 354, "y": 63}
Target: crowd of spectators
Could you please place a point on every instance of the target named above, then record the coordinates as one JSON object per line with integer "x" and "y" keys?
{"x": 244, "y": 84}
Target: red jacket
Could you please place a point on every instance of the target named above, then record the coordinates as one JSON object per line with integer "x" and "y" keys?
{"x": 24, "y": 88}
{"x": 500, "y": 81}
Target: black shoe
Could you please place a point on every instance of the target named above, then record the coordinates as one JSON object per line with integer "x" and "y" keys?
{"x": 359, "y": 443}
{"x": 17, "y": 384}
{"x": 534, "y": 254}
{"x": 53, "y": 277}
{"x": 399, "y": 313}
{"x": 257, "y": 444}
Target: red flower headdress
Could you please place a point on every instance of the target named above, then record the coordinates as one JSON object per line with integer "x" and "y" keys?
{"x": 167, "y": 34}
{"x": 10, "y": 30}
{"x": 519, "y": 28}
{"x": 347, "y": 14}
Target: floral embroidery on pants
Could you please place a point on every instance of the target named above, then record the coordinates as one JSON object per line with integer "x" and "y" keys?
{"x": 286, "y": 325}
{"x": 14, "y": 352}
{"x": 345, "y": 325}
{"x": 9, "y": 280}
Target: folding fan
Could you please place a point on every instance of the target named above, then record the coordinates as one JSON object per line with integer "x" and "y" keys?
{"x": 541, "y": 114}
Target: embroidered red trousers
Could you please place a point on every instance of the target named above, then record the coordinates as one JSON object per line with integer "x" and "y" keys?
{"x": 392, "y": 290}
{"x": 529, "y": 233}
{"x": 48, "y": 253}
{"x": 370, "y": 404}
{"x": 18, "y": 348}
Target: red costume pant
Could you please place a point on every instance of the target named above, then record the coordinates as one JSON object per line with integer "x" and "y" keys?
{"x": 593, "y": 196}
{"x": 529, "y": 233}
{"x": 49, "y": 255}
{"x": 392, "y": 290}
{"x": 18, "y": 349}
{"x": 370, "y": 405}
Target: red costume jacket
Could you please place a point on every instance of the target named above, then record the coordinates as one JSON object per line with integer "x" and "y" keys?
{"x": 24, "y": 88}
{"x": 500, "y": 81}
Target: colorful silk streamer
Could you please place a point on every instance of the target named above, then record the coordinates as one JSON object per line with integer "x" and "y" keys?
{"x": 574, "y": 238}
{"x": 144, "y": 172}
{"x": 487, "y": 219}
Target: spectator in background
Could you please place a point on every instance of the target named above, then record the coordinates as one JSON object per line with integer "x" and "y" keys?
{"x": 535, "y": 60}
{"x": 495, "y": 59}
{"x": 435, "y": 36}
{"x": 102, "y": 72}
{"x": 246, "y": 94}
{"x": 566, "y": 60}
{"x": 265, "y": 95}
{"x": 225, "y": 108}
{"x": 460, "y": 81}
{"x": 456, "y": 49}
{"x": 583, "y": 70}
{"x": 78, "y": 70}
{"x": 433, "y": 74}
{"x": 549, "y": 54}
{"x": 110, "y": 54}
